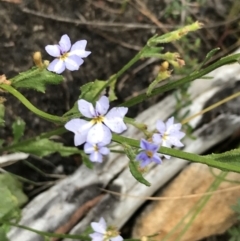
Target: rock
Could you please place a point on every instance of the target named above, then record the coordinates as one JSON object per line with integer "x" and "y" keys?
{"x": 215, "y": 217}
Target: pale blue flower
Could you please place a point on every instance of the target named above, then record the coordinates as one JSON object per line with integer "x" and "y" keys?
{"x": 104, "y": 233}
{"x": 149, "y": 153}
{"x": 96, "y": 151}
{"x": 169, "y": 133}
{"x": 67, "y": 56}
{"x": 99, "y": 128}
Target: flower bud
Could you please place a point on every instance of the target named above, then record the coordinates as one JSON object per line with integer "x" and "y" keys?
{"x": 37, "y": 58}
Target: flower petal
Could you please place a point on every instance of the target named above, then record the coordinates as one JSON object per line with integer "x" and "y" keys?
{"x": 175, "y": 141}
{"x": 97, "y": 237}
{"x": 89, "y": 148}
{"x": 98, "y": 227}
{"x": 174, "y": 128}
{"x": 99, "y": 133}
{"x": 169, "y": 122}
{"x": 79, "y": 49}
{"x": 143, "y": 159}
{"x": 102, "y": 105}
{"x": 86, "y": 108}
{"x": 157, "y": 139}
{"x": 95, "y": 157}
{"x": 144, "y": 144}
{"x": 73, "y": 62}
{"x": 65, "y": 43}
{"x": 80, "y": 128}
{"x": 114, "y": 119}
{"x": 53, "y": 50}
{"x": 161, "y": 127}
{"x": 118, "y": 238}
{"x": 104, "y": 150}
{"x": 103, "y": 223}
{"x": 57, "y": 66}
{"x": 156, "y": 159}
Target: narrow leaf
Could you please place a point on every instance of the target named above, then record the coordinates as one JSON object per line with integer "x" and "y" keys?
{"x": 209, "y": 56}
{"x": 137, "y": 174}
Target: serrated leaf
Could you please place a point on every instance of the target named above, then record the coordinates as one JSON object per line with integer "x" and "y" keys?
{"x": 14, "y": 186}
{"x": 90, "y": 90}
{"x": 137, "y": 174}
{"x": 18, "y": 128}
{"x": 89, "y": 93}
{"x": 152, "y": 52}
{"x": 2, "y": 112}
{"x": 232, "y": 156}
{"x": 36, "y": 78}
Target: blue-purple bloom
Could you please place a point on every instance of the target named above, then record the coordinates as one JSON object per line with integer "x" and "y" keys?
{"x": 99, "y": 128}
{"x": 149, "y": 153}
{"x": 96, "y": 151}
{"x": 104, "y": 233}
{"x": 67, "y": 56}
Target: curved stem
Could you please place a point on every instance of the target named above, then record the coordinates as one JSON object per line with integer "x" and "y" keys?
{"x": 24, "y": 101}
{"x": 121, "y": 71}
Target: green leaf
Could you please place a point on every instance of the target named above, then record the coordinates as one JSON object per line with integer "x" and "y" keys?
{"x": 3, "y": 234}
{"x": 2, "y": 112}
{"x": 8, "y": 204}
{"x": 86, "y": 161}
{"x": 89, "y": 93}
{"x": 36, "y": 78}
{"x": 133, "y": 166}
{"x": 45, "y": 147}
{"x": 112, "y": 95}
{"x": 14, "y": 186}
{"x": 208, "y": 57}
{"x": 90, "y": 90}
{"x": 18, "y": 128}
{"x": 231, "y": 157}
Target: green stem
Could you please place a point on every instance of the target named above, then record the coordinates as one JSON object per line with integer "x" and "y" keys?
{"x": 55, "y": 235}
{"x": 181, "y": 154}
{"x": 121, "y": 71}
{"x": 21, "y": 98}
{"x": 173, "y": 85}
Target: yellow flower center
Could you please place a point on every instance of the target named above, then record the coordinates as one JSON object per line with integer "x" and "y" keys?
{"x": 149, "y": 154}
{"x": 64, "y": 56}
{"x": 98, "y": 119}
{"x": 165, "y": 136}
